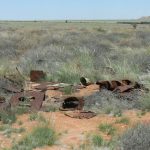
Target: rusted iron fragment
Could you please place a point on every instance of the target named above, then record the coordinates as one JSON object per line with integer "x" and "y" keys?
{"x": 109, "y": 85}
{"x": 104, "y": 85}
{"x": 46, "y": 86}
{"x": 32, "y": 99}
{"x": 125, "y": 88}
{"x": 81, "y": 114}
{"x": 126, "y": 82}
{"x": 37, "y": 75}
{"x": 72, "y": 103}
{"x": 121, "y": 86}
{"x": 85, "y": 81}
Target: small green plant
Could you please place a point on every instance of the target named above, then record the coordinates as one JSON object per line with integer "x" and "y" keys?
{"x": 7, "y": 117}
{"x": 123, "y": 120}
{"x": 38, "y": 117}
{"x": 7, "y": 130}
{"x": 33, "y": 116}
{"x": 97, "y": 140}
{"x": 21, "y": 110}
{"x": 107, "y": 128}
{"x": 145, "y": 103}
{"x": 40, "y": 136}
{"x": 68, "y": 90}
{"x": 117, "y": 113}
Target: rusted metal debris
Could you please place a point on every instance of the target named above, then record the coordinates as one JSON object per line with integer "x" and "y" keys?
{"x": 37, "y": 75}
{"x": 81, "y": 114}
{"x": 32, "y": 99}
{"x": 72, "y": 103}
{"x": 46, "y": 86}
{"x": 121, "y": 86}
{"x": 85, "y": 81}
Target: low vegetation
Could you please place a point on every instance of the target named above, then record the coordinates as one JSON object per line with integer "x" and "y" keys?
{"x": 136, "y": 138}
{"x": 39, "y": 137}
{"x": 107, "y": 128}
{"x": 123, "y": 120}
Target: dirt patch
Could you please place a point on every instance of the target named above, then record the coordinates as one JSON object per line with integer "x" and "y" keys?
{"x": 72, "y": 131}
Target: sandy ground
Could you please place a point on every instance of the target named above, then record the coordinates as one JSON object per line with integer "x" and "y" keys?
{"x": 71, "y": 132}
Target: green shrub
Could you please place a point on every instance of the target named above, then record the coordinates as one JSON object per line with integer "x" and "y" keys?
{"x": 107, "y": 128}
{"x": 145, "y": 103}
{"x": 97, "y": 140}
{"x": 7, "y": 130}
{"x": 123, "y": 120}
{"x": 38, "y": 117}
{"x": 136, "y": 138}
{"x": 68, "y": 90}
{"x": 40, "y": 136}
{"x": 7, "y": 117}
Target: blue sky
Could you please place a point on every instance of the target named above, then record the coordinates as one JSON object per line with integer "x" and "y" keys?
{"x": 73, "y": 9}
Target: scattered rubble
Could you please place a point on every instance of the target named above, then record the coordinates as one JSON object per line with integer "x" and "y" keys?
{"x": 36, "y": 75}
{"x": 81, "y": 114}
{"x": 85, "y": 81}
{"x": 125, "y": 92}
{"x": 72, "y": 103}
{"x": 32, "y": 99}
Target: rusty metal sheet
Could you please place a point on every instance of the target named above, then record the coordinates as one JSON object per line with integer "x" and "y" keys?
{"x": 81, "y": 114}
{"x": 46, "y": 86}
{"x": 37, "y": 75}
{"x": 35, "y": 98}
{"x": 121, "y": 86}
{"x": 125, "y": 88}
{"x": 104, "y": 85}
{"x": 126, "y": 82}
{"x": 72, "y": 103}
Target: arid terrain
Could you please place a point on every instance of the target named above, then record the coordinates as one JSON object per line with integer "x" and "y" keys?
{"x": 93, "y": 92}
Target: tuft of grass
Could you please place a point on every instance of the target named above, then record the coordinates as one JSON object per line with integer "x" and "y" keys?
{"x": 68, "y": 90}
{"x": 107, "y": 128}
{"x": 117, "y": 113}
{"x": 39, "y": 137}
{"x": 7, "y": 130}
{"x": 97, "y": 140}
{"x": 38, "y": 117}
{"x": 7, "y": 117}
{"x": 145, "y": 103}
{"x": 123, "y": 120}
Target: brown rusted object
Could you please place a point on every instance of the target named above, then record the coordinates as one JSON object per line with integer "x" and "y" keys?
{"x": 109, "y": 85}
{"x": 46, "y": 86}
{"x": 115, "y": 84}
{"x": 125, "y": 88}
{"x": 72, "y": 103}
{"x": 85, "y": 81}
{"x": 126, "y": 82}
{"x": 81, "y": 114}
{"x": 104, "y": 85}
{"x": 121, "y": 86}
{"x": 36, "y": 99}
{"x": 36, "y": 75}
